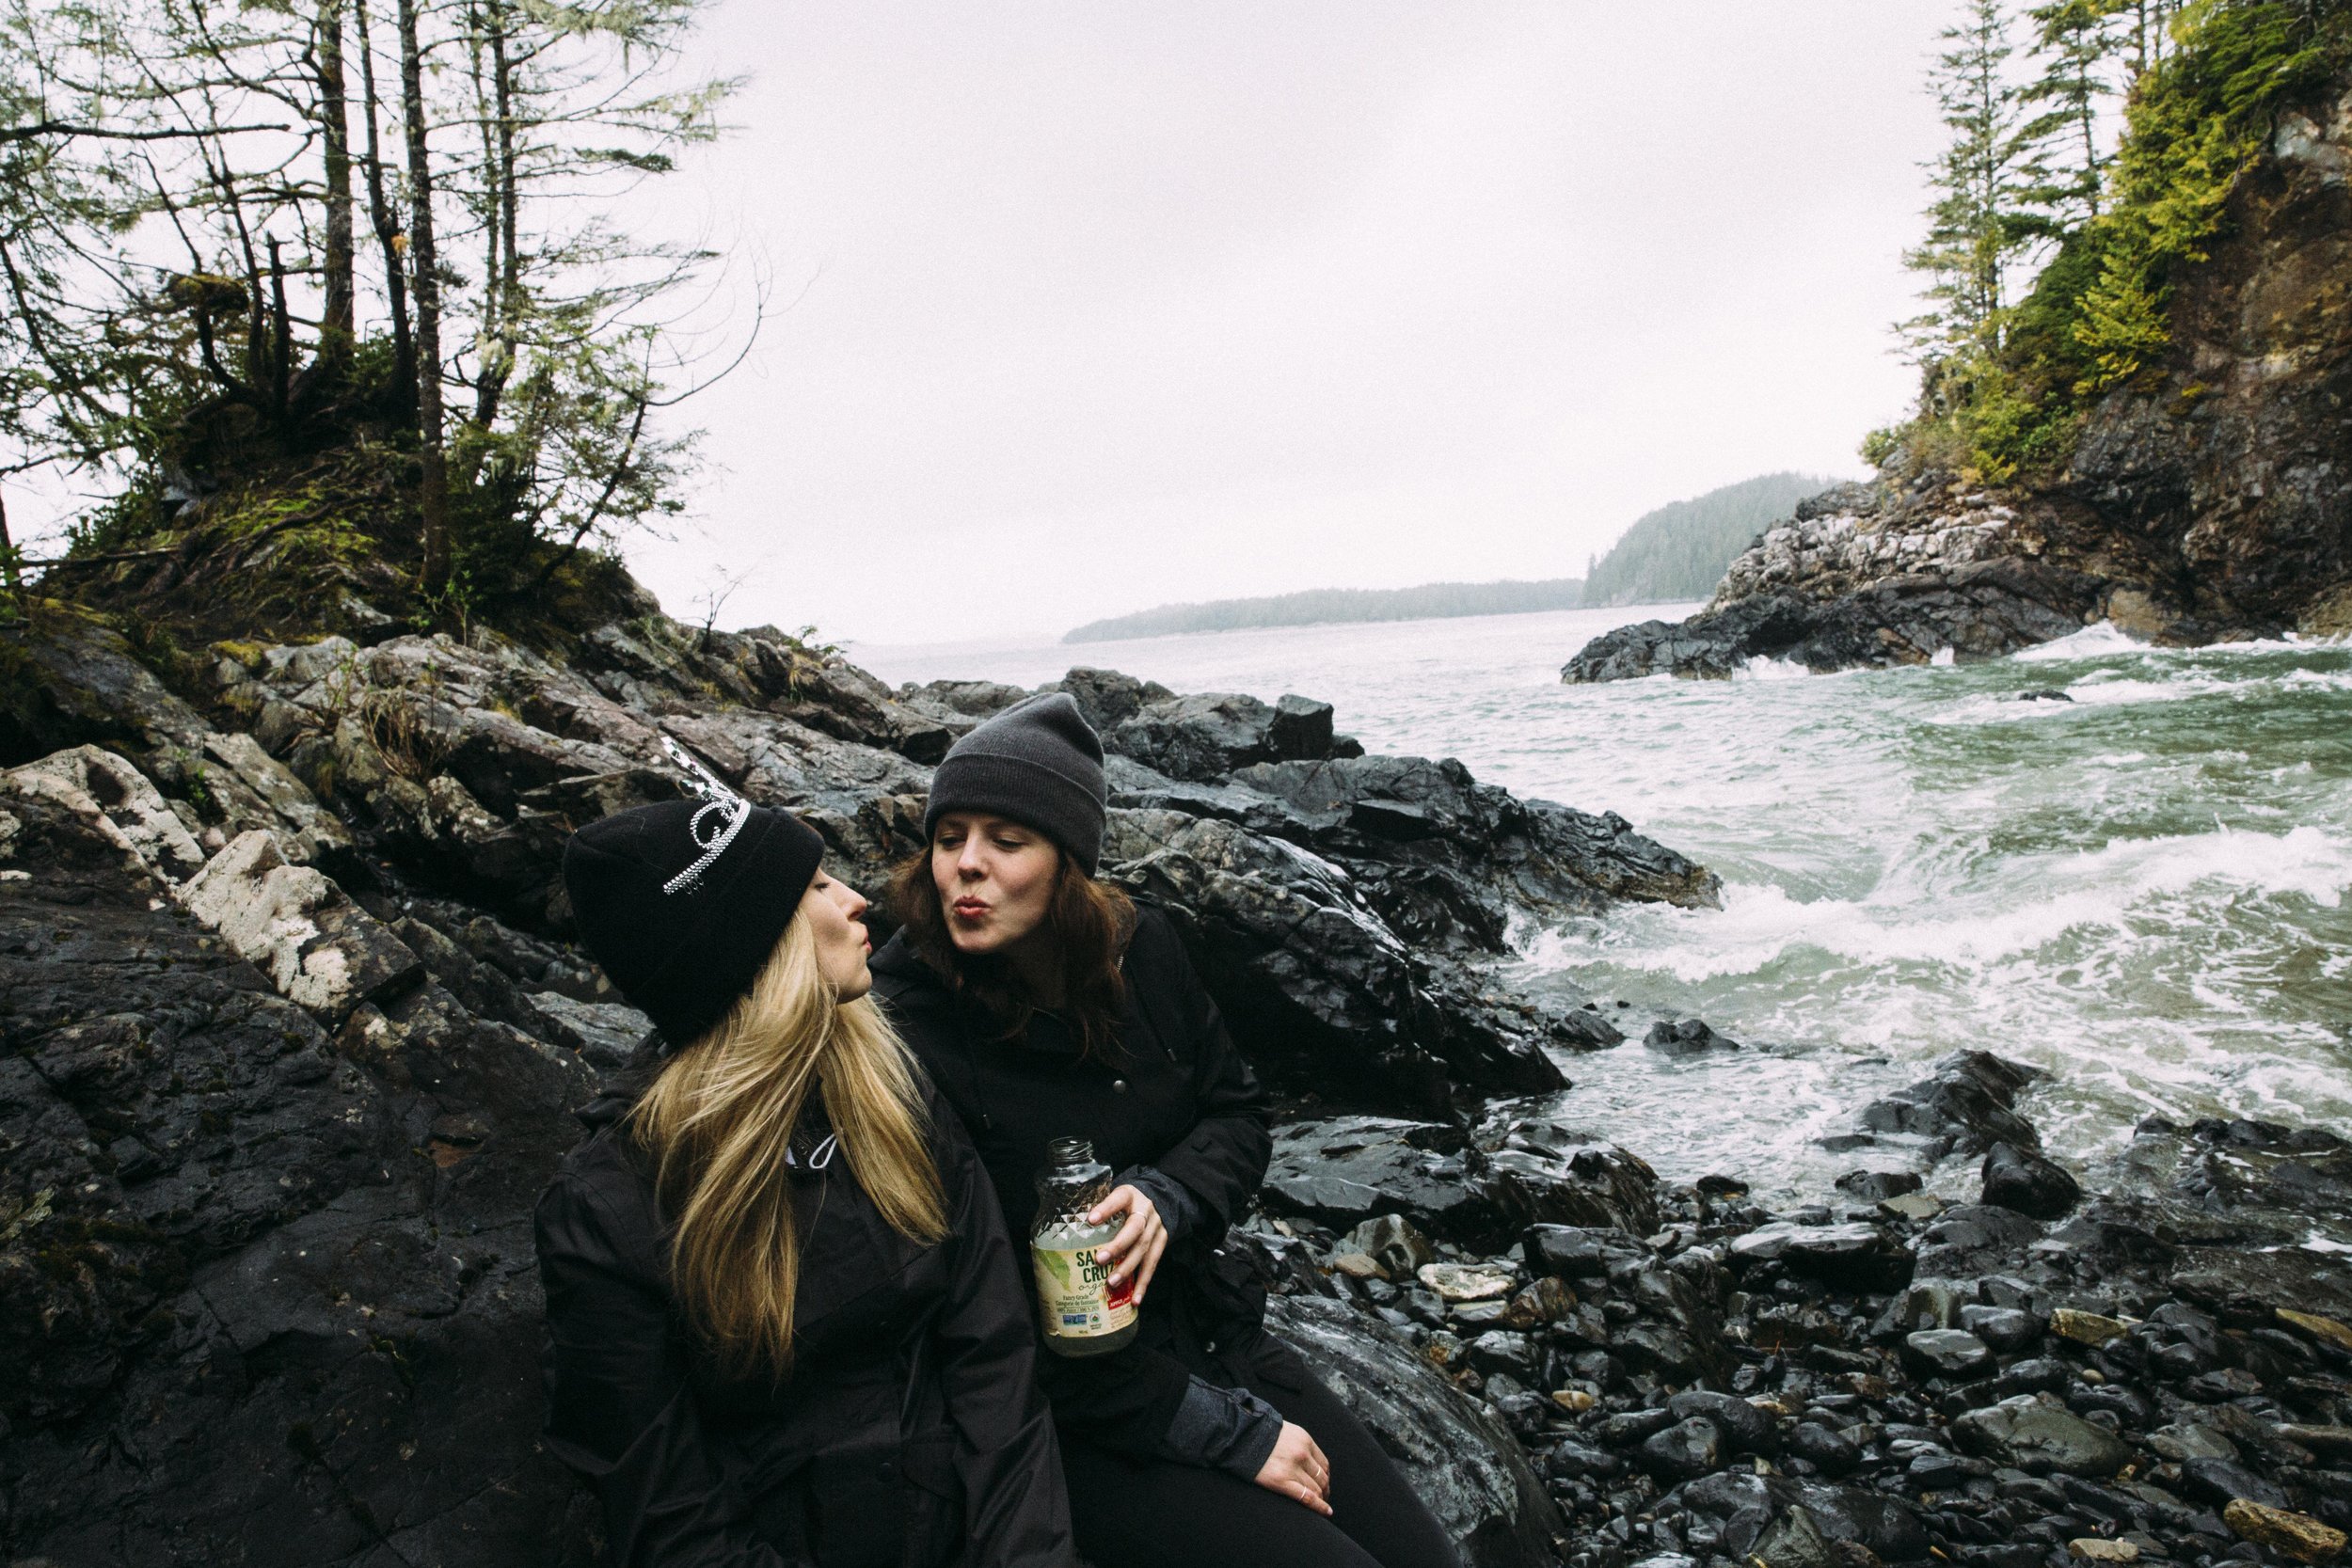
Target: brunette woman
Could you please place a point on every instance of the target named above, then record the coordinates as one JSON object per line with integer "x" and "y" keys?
{"x": 1047, "y": 1006}
{"x": 784, "y": 1324}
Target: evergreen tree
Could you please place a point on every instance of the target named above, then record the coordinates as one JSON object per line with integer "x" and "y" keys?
{"x": 1979, "y": 221}
{"x": 2077, "y": 43}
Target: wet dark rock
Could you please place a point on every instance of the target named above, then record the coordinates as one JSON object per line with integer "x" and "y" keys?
{"x": 1857, "y": 1256}
{"x": 1967, "y": 1106}
{"x": 1572, "y": 1252}
{"x": 1833, "y": 1454}
{"x": 2005, "y": 1328}
{"x": 1740, "y": 1507}
{"x": 1871, "y": 1186}
{"x": 1947, "y": 1352}
{"x": 2219, "y": 1481}
{"x": 1965, "y": 1241}
{"x": 2028, "y": 1184}
{"x": 1687, "y": 1037}
{"x": 1744, "y": 1428}
{"x": 2252, "y": 1286}
{"x": 2186, "y": 1440}
{"x": 1502, "y": 1351}
{"x": 1300, "y": 729}
{"x": 1571, "y": 1461}
{"x": 1459, "y": 1460}
{"x": 1198, "y": 737}
{"x": 1344, "y": 1171}
{"x": 2029, "y": 1436}
{"x": 1688, "y": 1448}
{"x": 1551, "y": 1173}
{"x": 1988, "y": 607}
{"x": 345, "y": 1232}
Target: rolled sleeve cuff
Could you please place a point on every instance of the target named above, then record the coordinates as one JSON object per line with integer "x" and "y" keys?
{"x": 1224, "y": 1428}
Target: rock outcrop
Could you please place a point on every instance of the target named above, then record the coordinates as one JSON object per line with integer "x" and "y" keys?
{"x": 293, "y": 1033}
{"x": 2208, "y": 500}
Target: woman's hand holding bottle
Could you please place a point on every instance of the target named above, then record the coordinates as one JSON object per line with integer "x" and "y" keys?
{"x": 1135, "y": 1250}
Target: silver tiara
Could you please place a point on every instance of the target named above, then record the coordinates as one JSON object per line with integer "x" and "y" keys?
{"x": 724, "y": 811}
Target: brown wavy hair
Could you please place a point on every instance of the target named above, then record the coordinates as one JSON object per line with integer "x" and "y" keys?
{"x": 1090, "y": 924}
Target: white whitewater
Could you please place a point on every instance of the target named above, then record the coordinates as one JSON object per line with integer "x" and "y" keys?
{"x": 2141, "y": 889}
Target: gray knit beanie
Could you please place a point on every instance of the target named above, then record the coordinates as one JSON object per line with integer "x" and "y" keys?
{"x": 1038, "y": 762}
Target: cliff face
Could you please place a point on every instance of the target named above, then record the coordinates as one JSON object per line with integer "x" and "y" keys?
{"x": 2237, "y": 466}
{"x": 2211, "y": 501}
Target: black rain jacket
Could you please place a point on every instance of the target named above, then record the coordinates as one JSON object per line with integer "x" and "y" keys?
{"x": 908, "y": 1433}
{"x": 1174, "y": 1094}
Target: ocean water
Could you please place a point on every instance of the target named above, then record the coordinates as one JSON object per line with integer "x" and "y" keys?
{"x": 2141, "y": 889}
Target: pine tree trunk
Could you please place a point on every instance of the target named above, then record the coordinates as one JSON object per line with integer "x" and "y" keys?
{"x": 503, "y": 279}
{"x": 433, "y": 487}
{"x": 9, "y": 565}
{"x": 386, "y": 225}
{"x": 336, "y": 318}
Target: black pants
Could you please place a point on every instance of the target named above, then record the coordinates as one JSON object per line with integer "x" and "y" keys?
{"x": 1151, "y": 1513}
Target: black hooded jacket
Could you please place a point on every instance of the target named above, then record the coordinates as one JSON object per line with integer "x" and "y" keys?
{"x": 1173, "y": 1094}
{"x": 908, "y": 1432}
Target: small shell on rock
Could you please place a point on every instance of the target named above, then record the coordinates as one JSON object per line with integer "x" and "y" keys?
{"x": 1466, "y": 1281}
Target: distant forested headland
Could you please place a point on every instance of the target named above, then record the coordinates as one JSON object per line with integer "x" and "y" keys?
{"x": 1676, "y": 553}
{"x": 1320, "y": 604}
{"x": 1680, "y": 551}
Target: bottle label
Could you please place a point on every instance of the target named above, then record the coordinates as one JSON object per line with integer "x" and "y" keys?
{"x": 1074, "y": 1294}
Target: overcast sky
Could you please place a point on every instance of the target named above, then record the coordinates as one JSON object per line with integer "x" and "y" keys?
{"x": 1093, "y": 308}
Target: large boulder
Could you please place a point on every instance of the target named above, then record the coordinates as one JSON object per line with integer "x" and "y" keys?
{"x": 322, "y": 950}
{"x": 1321, "y": 993}
{"x": 228, "y": 1231}
{"x": 1459, "y": 1458}
{"x": 1481, "y": 1194}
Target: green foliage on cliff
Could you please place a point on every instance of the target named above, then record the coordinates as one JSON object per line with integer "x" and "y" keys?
{"x": 1322, "y": 606}
{"x": 2198, "y": 124}
{"x": 2008, "y": 395}
{"x": 1679, "y": 551}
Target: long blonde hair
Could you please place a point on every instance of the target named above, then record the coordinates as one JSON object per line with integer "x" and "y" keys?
{"x": 718, "y": 1122}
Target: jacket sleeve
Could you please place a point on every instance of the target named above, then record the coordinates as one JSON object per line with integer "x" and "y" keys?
{"x": 1130, "y": 1401}
{"x": 1017, "y": 1509}
{"x": 620, "y": 1411}
{"x": 1223, "y": 1159}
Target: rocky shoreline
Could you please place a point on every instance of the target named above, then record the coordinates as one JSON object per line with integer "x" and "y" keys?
{"x": 293, "y": 1034}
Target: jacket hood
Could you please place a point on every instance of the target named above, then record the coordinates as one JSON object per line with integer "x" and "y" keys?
{"x": 611, "y": 1103}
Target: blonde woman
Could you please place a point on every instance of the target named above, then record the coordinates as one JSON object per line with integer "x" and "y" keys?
{"x": 784, "y": 1320}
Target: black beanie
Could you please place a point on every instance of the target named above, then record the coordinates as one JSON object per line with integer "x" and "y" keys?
{"x": 682, "y": 930}
{"x": 1038, "y": 762}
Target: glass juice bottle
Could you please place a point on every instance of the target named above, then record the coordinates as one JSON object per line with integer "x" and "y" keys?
{"x": 1082, "y": 1313}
